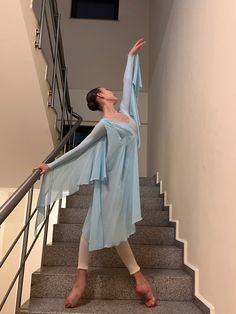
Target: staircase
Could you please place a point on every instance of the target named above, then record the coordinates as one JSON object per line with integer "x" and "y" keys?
{"x": 110, "y": 288}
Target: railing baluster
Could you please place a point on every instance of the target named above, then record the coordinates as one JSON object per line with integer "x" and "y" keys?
{"x": 58, "y": 57}
{"x": 16, "y": 239}
{"x": 24, "y": 249}
{"x": 39, "y": 31}
{"x": 70, "y": 146}
{"x": 46, "y": 228}
{"x": 23, "y": 262}
{"x": 73, "y": 145}
{"x": 63, "y": 103}
{"x": 10, "y": 204}
{"x": 52, "y": 93}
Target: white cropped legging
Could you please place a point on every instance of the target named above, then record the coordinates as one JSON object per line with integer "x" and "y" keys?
{"x": 123, "y": 249}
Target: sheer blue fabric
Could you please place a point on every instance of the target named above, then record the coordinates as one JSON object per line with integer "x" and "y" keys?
{"x": 107, "y": 158}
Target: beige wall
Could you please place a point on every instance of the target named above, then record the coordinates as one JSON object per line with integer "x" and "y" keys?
{"x": 192, "y": 131}
{"x": 96, "y": 50}
{"x": 25, "y": 125}
{"x": 27, "y": 131}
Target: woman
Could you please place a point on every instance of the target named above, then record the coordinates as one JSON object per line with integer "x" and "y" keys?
{"x": 108, "y": 158}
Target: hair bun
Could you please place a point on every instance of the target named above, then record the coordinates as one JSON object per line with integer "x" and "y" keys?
{"x": 92, "y": 106}
{"x": 92, "y": 99}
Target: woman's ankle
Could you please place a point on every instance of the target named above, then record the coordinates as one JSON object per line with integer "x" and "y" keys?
{"x": 138, "y": 277}
{"x": 81, "y": 275}
{"x": 82, "y": 272}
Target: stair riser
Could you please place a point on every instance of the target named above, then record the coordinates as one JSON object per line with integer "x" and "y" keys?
{"x": 150, "y": 217}
{"x": 83, "y": 201}
{"x": 111, "y": 286}
{"x": 147, "y": 257}
{"x": 143, "y": 235}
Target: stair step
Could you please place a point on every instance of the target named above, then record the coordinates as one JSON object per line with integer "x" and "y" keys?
{"x": 53, "y": 306}
{"x": 151, "y": 217}
{"x": 147, "y": 256}
{"x": 143, "y": 234}
{"x": 83, "y": 201}
{"x": 111, "y": 283}
{"x": 110, "y": 288}
{"x": 145, "y": 190}
{"x": 147, "y": 181}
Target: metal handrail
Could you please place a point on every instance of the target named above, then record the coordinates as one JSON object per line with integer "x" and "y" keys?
{"x": 17, "y": 196}
{"x": 7, "y": 208}
{"x": 66, "y": 117}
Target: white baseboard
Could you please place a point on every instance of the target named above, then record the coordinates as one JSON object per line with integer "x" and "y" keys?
{"x": 195, "y": 269}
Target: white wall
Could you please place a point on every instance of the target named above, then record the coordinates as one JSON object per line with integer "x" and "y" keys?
{"x": 192, "y": 131}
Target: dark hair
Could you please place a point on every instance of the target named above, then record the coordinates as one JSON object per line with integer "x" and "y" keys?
{"x": 92, "y": 99}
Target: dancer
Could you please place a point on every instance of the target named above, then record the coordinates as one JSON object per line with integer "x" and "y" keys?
{"x": 108, "y": 158}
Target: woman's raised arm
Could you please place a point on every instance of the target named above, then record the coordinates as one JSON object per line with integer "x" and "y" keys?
{"x": 127, "y": 81}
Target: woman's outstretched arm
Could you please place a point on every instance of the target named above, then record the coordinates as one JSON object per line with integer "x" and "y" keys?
{"x": 127, "y": 80}
{"x": 98, "y": 132}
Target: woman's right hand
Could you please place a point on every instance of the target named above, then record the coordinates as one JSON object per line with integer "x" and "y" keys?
{"x": 42, "y": 167}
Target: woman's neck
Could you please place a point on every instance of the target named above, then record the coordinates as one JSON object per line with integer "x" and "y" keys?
{"x": 109, "y": 110}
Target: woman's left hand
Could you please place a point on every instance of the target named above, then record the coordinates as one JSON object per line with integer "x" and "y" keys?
{"x": 42, "y": 167}
{"x": 137, "y": 46}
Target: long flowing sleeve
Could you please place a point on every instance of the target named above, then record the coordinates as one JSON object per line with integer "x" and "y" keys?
{"x": 82, "y": 165}
{"x": 98, "y": 132}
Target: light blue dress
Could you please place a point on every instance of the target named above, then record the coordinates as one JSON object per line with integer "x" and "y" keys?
{"x": 108, "y": 158}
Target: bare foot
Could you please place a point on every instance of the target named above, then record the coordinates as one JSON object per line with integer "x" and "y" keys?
{"x": 77, "y": 291}
{"x": 143, "y": 288}
{"x": 146, "y": 291}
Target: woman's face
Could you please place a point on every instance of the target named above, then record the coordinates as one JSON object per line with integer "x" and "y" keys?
{"x": 107, "y": 94}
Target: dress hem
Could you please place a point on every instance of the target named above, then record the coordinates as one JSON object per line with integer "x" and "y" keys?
{"x": 117, "y": 243}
